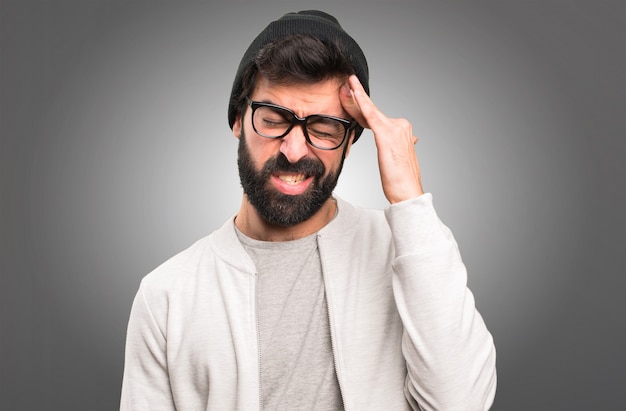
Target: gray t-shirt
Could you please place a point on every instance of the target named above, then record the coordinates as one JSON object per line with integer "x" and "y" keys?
{"x": 296, "y": 358}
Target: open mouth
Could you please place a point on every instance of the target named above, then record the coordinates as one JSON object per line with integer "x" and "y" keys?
{"x": 292, "y": 178}
{"x": 291, "y": 184}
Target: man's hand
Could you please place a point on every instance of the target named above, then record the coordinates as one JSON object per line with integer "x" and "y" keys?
{"x": 397, "y": 162}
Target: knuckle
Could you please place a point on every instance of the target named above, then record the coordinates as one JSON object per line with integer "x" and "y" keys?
{"x": 404, "y": 124}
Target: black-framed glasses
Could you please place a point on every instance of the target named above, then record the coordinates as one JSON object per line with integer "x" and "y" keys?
{"x": 321, "y": 131}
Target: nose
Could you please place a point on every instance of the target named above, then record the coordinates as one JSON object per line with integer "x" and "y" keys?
{"x": 294, "y": 145}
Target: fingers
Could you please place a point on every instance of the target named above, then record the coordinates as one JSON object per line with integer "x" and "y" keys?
{"x": 351, "y": 106}
{"x": 397, "y": 161}
{"x": 359, "y": 105}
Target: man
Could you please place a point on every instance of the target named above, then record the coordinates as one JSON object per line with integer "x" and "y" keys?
{"x": 303, "y": 301}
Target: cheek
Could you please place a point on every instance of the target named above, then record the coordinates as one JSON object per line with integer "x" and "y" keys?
{"x": 260, "y": 149}
{"x": 332, "y": 163}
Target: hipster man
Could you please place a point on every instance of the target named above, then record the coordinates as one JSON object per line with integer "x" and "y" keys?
{"x": 302, "y": 300}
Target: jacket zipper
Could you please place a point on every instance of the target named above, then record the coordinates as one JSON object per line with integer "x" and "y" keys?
{"x": 332, "y": 327}
{"x": 258, "y": 335}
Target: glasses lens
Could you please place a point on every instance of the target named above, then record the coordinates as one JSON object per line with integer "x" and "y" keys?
{"x": 325, "y": 132}
{"x": 271, "y": 121}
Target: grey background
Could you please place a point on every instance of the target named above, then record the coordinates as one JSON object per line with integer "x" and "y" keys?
{"x": 115, "y": 154}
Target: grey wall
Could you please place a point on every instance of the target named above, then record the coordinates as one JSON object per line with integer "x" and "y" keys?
{"x": 115, "y": 153}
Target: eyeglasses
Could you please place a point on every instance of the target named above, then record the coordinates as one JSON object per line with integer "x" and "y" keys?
{"x": 320, "y": 131}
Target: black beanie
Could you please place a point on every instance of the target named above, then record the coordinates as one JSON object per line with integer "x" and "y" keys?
{"x": 315, "y": 22}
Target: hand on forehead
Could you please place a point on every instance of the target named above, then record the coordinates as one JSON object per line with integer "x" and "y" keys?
{"x": 357, "y": 103}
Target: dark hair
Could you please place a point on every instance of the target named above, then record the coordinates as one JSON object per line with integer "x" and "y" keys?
{"x": 294, "y": 59}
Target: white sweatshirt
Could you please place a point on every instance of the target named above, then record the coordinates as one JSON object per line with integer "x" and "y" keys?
{"x": 405, "y": 330}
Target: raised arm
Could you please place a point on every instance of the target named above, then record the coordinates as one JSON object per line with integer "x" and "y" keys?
{"x": 449, "y": 352}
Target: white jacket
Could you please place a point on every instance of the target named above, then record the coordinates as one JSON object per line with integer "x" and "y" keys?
{"x": 405, "y": 331}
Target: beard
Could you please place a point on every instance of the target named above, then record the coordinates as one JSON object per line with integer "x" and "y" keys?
{"x": 275, "y": 207}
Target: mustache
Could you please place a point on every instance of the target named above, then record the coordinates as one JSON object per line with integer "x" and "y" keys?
{"x": 306, "y": 166}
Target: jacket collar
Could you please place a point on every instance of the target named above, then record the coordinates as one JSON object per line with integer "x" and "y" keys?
{"x": 228, "y": 248}
{"x": 343, "y": 222}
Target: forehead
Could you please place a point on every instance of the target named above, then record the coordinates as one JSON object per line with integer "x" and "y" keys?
{"x": 303, "y": 98}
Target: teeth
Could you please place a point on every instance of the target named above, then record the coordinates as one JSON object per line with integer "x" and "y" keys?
{"x": 292, "y": 179}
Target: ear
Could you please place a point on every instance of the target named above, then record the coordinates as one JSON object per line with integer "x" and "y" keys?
{"x": 237, "y": 126}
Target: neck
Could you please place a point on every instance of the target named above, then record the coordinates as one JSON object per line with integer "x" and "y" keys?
{"x": 249, "y": 222}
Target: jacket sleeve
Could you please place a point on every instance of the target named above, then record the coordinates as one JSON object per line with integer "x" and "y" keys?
{"x": 449, "y": 353}
{"x": 145, "y": 383}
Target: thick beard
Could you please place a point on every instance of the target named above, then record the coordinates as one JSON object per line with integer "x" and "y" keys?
{"x": 275, "y": 207}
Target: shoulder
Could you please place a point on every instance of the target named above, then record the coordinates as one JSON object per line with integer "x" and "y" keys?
{"x": 217, "y": 253}
{"x": 178, "y": 268}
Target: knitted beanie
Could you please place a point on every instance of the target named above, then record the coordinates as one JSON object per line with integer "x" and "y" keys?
{"x": 315, "y": 22}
